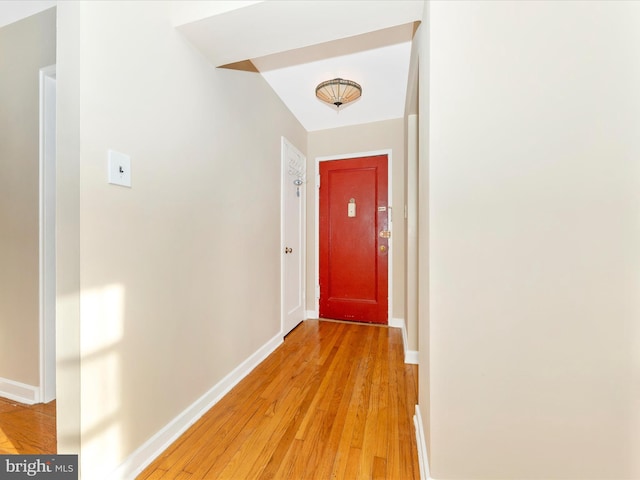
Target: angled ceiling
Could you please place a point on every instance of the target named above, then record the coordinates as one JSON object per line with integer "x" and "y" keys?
{"x": 296, "y": 45}
{"x": 14, "y": 10}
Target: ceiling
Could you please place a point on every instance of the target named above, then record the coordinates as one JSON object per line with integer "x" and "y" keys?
{"x": 295, "y": 45}
{"x": 378, "y": 61}
{"x": 14, "y": 10}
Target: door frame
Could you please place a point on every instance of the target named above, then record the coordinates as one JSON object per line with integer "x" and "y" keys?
{"x": 47, "y": 261}
{"x": 303, "y": 233}
{"x": 348, "y": 156}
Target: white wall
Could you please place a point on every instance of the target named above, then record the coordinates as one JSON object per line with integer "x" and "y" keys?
{"x": 179, "y": 275}
{"x": 25, "y": 47}
{"x": 421, "y": 47}
{"x": 68, "y": 228}
{"x": 535, "y": 227}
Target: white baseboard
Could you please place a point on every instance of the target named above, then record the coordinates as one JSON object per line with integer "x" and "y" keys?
{"x": 310, "y": 314}
{"x": 397, "y": 323}
{"x": 152, "y": 448}
{"x": 423, "y": 457}
{"x": 411, "y": 357}
{"x": 19, "y": 392}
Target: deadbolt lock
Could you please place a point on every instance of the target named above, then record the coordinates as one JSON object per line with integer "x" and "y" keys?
{"x": 385, "y": 234}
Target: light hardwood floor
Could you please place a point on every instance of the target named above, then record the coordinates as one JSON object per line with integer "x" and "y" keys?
{"x": 335, "y": 401}
{"x": 27, "y": 429}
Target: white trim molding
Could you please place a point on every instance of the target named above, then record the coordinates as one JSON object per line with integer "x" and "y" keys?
{"x": 410, "y": 356}
{"x": 311, "y": 314}
{"x": 397, "y": 323}
{"x": 19, "y": 392}
{"x": 423, "y": 457}
{"x": 46, "y": 223}
{"x": 152, "y": 448}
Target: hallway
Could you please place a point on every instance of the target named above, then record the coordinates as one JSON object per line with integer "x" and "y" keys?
{"x": 335, "y": 400}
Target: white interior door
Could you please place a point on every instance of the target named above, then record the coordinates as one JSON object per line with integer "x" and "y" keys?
{"x": 293, "y": 228}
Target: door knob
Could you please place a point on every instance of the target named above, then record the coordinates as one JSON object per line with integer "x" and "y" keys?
{"x": 383, "y": 248}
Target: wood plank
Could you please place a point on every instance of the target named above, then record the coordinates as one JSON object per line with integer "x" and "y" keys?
{"x": 27, "y": 429}
{"x": 396, "y": 417}
{"x": 286, "y": 448}
{"x": 271, "y": 429}
{"x": 323, "y": 414}
{"x": 238, "y": 430}
{"x": 353, "y": 464}
{"x": 373, "y": 428}
{"x": 379, "y": 468}
{"x": 341, "y": 463}
{"x": 154, "y": 475}
{"x": 295, "y": 455}
{"x": 342, "y": 395}
{"x": 362, "y": 405}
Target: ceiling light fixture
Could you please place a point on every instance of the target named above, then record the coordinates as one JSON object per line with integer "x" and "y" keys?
{"x": 338, "y": 91}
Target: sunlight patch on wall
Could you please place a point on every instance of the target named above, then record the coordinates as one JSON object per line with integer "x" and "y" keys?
{"x": 102, "y": 324}
{"x": 101, "y": 332}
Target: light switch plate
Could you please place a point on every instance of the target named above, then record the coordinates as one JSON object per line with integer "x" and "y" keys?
{"x": 119, "y": 166}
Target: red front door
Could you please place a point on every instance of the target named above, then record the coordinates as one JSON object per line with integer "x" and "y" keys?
{"x": 354, "y": 247}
